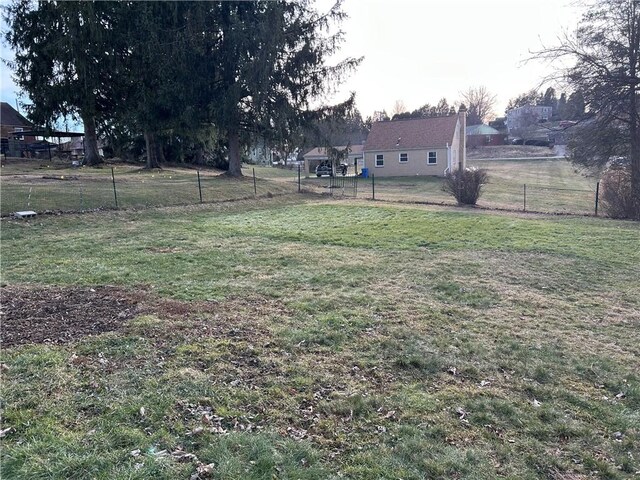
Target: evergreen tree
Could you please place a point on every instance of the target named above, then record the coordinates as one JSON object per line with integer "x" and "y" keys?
{"x": 155, "y": 72}
{"x": 62, "y": 61}
{"x": 562, "y": 106}
{"x": 549, "y": 99}
{"x": 269, "y": 66}
{"x": 575, "y": 109}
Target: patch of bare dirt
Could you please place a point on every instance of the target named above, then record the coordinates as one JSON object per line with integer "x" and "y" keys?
{"x": 32, "y": 314}
{"x": 44, "y": 314}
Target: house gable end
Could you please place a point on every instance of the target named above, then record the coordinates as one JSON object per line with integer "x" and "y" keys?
{"x": 9, "y": 116}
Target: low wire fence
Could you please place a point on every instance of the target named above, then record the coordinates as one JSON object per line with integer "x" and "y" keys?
{"x": 529, "y": 197}
{"x": 111, "y": 189}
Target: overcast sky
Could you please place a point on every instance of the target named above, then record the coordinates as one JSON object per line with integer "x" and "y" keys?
{"x": 419, "y": 51}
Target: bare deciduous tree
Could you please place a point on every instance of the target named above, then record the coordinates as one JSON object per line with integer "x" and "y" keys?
{"x": 479, "y": 102}
{"x": 399, "y": 107}
{"x": 604, "y": 58}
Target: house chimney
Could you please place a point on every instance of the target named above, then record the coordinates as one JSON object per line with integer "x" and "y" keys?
{"x": 462, "y": 154}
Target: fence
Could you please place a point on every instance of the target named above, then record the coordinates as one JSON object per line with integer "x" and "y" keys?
{"x": 121, "y": 187}
{"x": 344, "y": 186}
{"x": 500, "y": 195}
{"x": 128, "y": 188}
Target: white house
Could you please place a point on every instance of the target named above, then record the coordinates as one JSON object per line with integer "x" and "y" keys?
{"x": 526, "y": 115}
{"x": 421, "y": 146}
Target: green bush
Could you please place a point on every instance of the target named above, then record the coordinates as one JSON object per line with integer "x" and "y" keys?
{"x": 465, "y": 185}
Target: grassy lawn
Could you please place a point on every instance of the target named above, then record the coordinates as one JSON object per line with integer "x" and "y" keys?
{"x": 293, "y": 338}
{"x": 56, "y": 186}
{"x": 552, "y": 186}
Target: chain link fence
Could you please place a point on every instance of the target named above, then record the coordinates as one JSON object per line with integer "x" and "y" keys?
{"x": 121, "y": 188}
{"x": 522, "y": 197}
{"x": 111, "y": 188}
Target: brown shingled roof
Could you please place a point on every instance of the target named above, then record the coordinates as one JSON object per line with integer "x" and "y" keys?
{"x": 322, "y": 151}
{"x": 9, "y": 116}
{"x": 413, "y": 133}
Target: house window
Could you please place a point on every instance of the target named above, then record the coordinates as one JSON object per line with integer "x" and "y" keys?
{"x": 19, "y": 129}
{"x": 379, "y": 160}
{"x": 432, "y": 158}
{"x": 404, "y": 157}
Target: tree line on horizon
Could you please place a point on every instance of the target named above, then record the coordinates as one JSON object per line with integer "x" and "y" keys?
{"x": 478, "y": 101}
{"x": 565, "y": 107}
{"x": 480, "y": 105}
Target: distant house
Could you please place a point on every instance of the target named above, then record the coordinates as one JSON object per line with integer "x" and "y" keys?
{"x": 423, "y": 146}
{"x": 522, "y": 117}
{"x": 319, "y": 155}
{"x": 11, "y": 124}
{"x": 483, "y": 135}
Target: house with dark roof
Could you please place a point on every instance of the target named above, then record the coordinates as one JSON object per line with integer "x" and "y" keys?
{"x": 11, "y": 124}
{"x": 423, "y": 146}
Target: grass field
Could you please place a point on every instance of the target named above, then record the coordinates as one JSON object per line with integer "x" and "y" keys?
{"x": 552, "y": 185}
{"x": 55, "y": 186}
{"x": 300, "y": 338}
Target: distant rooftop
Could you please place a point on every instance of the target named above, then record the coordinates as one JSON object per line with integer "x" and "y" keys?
{"x": 322, "y": 151}
{"x": 481, "y": 130}
{"x": 11, "y": 117}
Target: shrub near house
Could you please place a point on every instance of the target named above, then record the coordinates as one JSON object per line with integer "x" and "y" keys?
{"x": 465, "y": 185}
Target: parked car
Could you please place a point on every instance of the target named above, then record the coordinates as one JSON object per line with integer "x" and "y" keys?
{"x": 539, "y": 143}
{"x": 324, "y": 169}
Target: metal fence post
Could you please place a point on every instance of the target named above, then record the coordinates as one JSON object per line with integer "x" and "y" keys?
{"x": 525, "y": 198}
{"x": 373, "y": 185}
{"x": 299, "y": 178}
{"x": 115, "y": 193}
{"x": 255, "y": 189}
{"x": 597, "y": 195}
{"x": 199, "y": 186}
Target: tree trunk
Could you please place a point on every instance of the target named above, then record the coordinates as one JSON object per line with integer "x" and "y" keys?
{"x": 199, "y": 156}
{"x": 91, "y": 155}
{"x": 634, "y": 128}
{"x": 160, "y": 152}
{"x": 152, "y": 152}
{"x": 235, "y": 162}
